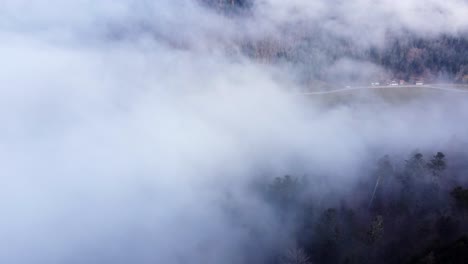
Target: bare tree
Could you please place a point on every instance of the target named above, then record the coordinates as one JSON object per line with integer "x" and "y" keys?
{"x": 295, "y": 256}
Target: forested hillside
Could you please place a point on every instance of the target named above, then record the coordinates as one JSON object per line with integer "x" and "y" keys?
{"x": 403, "y": 211}
{"x": 412, "y": 57}
{"x": 311, "y": 49}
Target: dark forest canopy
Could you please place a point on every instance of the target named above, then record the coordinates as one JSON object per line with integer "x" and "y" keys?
{"x": 401, "y": 212}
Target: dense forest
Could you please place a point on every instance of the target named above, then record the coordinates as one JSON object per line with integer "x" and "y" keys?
{"x": 413, "y": 211}
{"x": 409, "y": 57}
{"x": 311, "y": 49}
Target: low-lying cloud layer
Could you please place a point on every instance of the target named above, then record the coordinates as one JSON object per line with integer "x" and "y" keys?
{"x": 127, "y": 126}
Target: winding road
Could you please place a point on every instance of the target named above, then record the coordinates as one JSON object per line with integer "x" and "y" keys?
{"x": 456, "y": 90}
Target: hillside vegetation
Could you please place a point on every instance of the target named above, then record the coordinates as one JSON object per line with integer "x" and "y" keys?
{"x": 312, "y": 50}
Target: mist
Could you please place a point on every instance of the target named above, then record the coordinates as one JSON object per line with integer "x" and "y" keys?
{"x": 132, "y": 132}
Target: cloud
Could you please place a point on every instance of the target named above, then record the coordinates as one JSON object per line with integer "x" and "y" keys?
{"x": 127, "y": 128}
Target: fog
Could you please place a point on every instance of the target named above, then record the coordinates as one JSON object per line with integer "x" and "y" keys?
{"x": 129, "y": 127}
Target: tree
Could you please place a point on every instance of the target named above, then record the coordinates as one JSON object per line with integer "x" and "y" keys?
{"x": 414, "y": 171}
{"x": 461, "y": 197}
{"x": 437, "y": 164}
{"x": 376, "y": 230}
{"x": 295, "y": 256}
{"x": 285, "y": 191}
{"x": 415, "y": 166}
